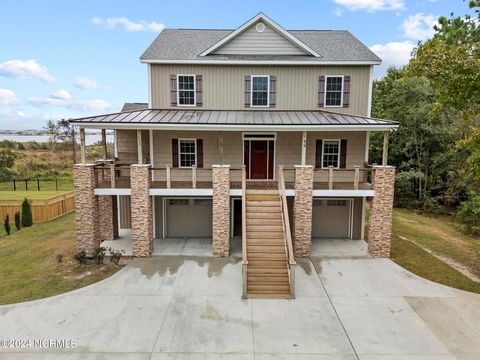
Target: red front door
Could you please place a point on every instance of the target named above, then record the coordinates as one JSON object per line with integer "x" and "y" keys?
{"x": 259, "y": 159}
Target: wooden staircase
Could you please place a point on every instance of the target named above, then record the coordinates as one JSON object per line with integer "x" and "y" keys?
{"x": 267, "y": 272}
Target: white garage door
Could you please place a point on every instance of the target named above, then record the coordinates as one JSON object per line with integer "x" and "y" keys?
{"x": 332, "y": 218}
{"x": 188, "y": 217}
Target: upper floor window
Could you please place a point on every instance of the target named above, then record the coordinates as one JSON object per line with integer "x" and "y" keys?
{"x": 260, "y": 91}
{"x": 331, "y": 153}
{"x": 187, "y": 152}
{"x": 333, "y": 91}
{"x": 186, "y": 90}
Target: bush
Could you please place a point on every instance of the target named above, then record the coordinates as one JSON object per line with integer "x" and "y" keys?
{"x": 17, "y": 220}
{"x": 469, "y": 213}
{"x": 6, "y": 224}
{"x": 26, "y": 214}
{"x": 81, "y": 257}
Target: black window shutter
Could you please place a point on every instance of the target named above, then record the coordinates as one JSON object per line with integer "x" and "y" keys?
{"x": 198, "y": 90}
{"x": 175, "y": 152}
{"x": 173, "y": 90}
{"x": 343, "y": 154}
{"x": 248, "y": 85}
{"x": 318, "y": 153}
{"x": 200, "y": 153}
{"x": 273, "y": 91}
{"x": 321, "y": 91}
{"x": 346, "y": 91}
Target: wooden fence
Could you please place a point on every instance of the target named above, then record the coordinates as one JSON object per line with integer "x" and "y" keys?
{"x": 42, "y": 209}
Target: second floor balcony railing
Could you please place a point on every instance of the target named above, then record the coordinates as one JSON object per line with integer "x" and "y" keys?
{"x": 109, "y": 175}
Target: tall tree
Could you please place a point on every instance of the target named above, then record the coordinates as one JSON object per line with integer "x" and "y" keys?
{"x": 54, "y": 135}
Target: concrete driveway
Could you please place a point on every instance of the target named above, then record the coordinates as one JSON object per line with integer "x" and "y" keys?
{"x": 348, "y": 306}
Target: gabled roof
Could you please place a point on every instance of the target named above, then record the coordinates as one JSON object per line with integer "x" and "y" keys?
{"x": 185, "y": 46}
{"x": 250, "y": 23}
{"x": 203, "y": 120}
{"x": 134, "y": 106}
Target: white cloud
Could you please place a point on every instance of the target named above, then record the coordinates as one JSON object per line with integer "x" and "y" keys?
{"x": 9, "y": 114}
{"x": 89, "y": 84}
{"x": 7, "y": 98}
{"x": 337, "y": 12}
{"x": 419, "y": 26}
{"x": 91, "y": 105}
{"x": 67, "y": 102}
{"x": 25, "y": 69}
{"x": 372, "y": 5}
{"x": 392, "y": 54}
{"x": 128, "y": 25}
{"x": 61, "y": 94}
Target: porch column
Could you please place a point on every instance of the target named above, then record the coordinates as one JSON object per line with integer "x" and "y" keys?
{"x": 220, "y": 146}
{"x": 381, "y": 208}
{"x": 139, "y": 147}
{"x": 221, "y": 210}
{"x": 385, "y": 148}
{"x": 151, "y": 151}
{"x": 108, "y": 217}
{"x": 104, "y": 143}
{"x": 86, "y": 209}
{"x": 141, "y": 210}
{"x": 82, "y": 145}
{"x": 302, "y": 210}
{"x": 304, "y": 148}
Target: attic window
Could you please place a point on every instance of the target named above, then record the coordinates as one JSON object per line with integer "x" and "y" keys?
{"x": 260, "y": 27}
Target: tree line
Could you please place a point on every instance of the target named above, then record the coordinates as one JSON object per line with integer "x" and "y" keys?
{"x": 436, "y": 99}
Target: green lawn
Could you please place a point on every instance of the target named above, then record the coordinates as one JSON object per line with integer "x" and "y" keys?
{"x": 29, "y": 268}
{"x": 20, "y": 195}
{"x": 441, "y": 235}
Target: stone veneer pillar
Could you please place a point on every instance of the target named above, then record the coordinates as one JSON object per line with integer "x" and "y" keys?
{"x": 302, "y": 210}
{"x": 221, "y": 210}
{"x": 108, "y": 217}
{"x": 381, "y": 209}
{"x": 141, "y": 210}
{"x": 86, "y": 209}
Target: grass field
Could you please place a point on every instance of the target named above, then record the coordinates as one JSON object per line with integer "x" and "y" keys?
{"x": 442, "y": 236}
{"x": 30, "y": 269}
{"x": 20, "y": 195}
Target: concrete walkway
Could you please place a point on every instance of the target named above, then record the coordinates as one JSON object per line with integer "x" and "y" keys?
{"x": 348, "y": 306}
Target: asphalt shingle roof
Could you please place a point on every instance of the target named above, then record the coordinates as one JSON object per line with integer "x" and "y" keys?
{"x": 187, "y": 44}
{"x": 134, "y": 106}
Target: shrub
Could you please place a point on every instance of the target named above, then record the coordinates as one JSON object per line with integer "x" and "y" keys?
{"x": 17, "y": 220}
{"x": 99, "y": 255}
{"x": 60, "y": 258}
{"x": 81, "y": 257}
{"x": 115, "y": 255}
{"x": 469, "y": 213}
{"x": 26, "y": 214}
{"x": 6, "y": 224}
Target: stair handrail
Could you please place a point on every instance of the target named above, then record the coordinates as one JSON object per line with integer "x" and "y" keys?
{"x": 286, "y": 229}
{"x": 244, "y": 230}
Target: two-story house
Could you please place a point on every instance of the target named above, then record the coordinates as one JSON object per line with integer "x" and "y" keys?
{"x": 259, "y": 133}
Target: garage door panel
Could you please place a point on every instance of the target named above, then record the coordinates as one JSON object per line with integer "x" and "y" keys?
{"x": 331, "y": 218}
{"x": 189, "y": 217}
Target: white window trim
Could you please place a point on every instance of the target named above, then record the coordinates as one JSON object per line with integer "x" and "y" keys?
{"x": 251, "y": 91}
{"x": 339, "y": 152}
{"x": 180, "y": 155}
{"x": 341, "y": 92}
{"x": 194, "y": 91}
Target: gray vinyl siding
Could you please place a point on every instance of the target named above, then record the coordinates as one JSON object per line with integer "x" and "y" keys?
{"x": 297, "y": 86}
{"x": 251, "y": 42}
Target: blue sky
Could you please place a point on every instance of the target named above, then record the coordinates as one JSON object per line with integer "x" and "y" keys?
{"x": 76, "y": 58}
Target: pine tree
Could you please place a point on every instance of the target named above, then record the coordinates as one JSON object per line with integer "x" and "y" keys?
{"x": 26, "y": 214}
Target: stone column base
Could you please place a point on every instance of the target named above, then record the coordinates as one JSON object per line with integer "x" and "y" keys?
{"x": 381, "y": 210}
{"x": 221, "y": 210}
{"x": 302, "y": 210}
{"x": 108, "y": 217}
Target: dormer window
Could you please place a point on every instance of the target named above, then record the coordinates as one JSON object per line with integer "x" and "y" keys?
{"x": 186, "y": 90}
{"x": 260, "y": 90}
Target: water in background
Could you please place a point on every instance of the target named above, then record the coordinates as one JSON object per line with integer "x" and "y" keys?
{"x": 90, "y": 139}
